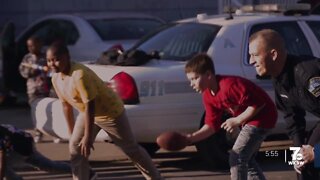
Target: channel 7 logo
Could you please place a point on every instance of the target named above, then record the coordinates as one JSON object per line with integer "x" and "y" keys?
{"x": 296, "y": 156}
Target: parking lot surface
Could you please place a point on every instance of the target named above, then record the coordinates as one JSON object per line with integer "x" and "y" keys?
{"x": 111, "y": 164}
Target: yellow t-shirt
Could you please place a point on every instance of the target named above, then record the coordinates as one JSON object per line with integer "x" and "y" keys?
{"x": 82, "y": 85}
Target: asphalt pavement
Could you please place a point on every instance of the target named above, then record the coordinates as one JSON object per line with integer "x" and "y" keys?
{"x": 111, "y": 164}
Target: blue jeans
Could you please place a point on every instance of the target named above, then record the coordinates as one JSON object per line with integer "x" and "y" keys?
{"x": 242, "y": 156}
{"x": 36, "y": 160}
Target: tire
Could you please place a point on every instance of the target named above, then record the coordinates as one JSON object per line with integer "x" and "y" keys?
{"x": 151, "y": 148}
{"x": 214, "y": 149}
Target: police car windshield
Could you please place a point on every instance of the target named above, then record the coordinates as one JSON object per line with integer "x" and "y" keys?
{"x": 178, "y": 42}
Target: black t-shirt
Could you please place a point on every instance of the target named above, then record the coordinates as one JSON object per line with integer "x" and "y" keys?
{"x": 14, "y": 139}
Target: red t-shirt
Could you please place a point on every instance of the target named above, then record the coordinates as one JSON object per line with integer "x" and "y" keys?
{"x": 234, "y": 95}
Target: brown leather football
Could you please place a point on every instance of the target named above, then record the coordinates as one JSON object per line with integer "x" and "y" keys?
{"x": 172, "y": 141}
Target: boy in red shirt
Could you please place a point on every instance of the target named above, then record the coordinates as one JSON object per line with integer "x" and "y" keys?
{"x": 251, "y": 108}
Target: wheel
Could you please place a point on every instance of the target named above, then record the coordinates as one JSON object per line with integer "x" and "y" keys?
{"x": 214, "y": 149}
{"x": 151, "y": 148}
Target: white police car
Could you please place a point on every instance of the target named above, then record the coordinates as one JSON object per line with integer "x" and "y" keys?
{"x": 160, "y": 98}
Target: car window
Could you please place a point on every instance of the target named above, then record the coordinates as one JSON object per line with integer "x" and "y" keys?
{"x": 179, "y": 42}
{"x": 40, "y": 30}
{"x": 67, "y": 31}
{"x": 52, "y": 30}
{"x": 315, "y": 27}
{"x": 295, "y": 40}
{"x": 122, "y": 29}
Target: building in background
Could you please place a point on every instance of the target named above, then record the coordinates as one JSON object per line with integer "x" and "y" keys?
{"x": 22, "y": 13}
{"x": 26, "y": 11}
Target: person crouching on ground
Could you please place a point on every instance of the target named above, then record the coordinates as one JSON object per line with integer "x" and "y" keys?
{"x": 17, "y": 147}
{"x": 251, "y": 108}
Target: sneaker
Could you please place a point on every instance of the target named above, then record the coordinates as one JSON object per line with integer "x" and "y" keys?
{"x": 93, "y": 175}
{"x": 57, "y": 140}
{"x": 38, "y": 137}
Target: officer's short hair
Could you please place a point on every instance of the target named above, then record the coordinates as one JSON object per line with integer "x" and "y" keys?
{"x": 271, "y": 38}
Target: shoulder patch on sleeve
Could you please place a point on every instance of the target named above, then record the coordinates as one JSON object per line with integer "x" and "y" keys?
{"x": 314, "y": 86}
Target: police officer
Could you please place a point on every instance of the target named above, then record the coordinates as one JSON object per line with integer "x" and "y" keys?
{"x": 296, "y": 82}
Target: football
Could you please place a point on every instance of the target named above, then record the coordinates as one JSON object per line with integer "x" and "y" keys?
{"x": 172, "y": 141}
